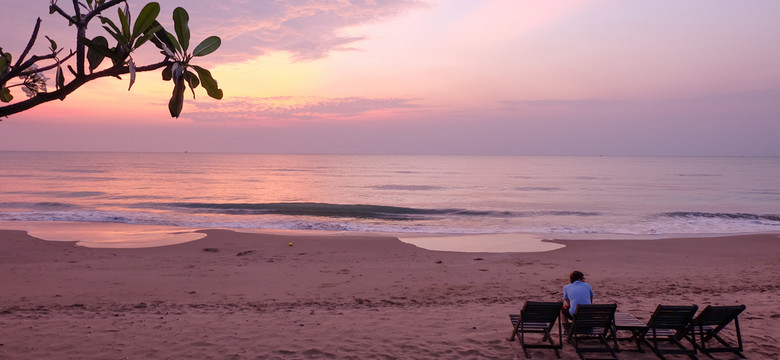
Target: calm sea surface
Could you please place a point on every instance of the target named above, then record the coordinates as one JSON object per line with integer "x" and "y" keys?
{"x": 409, "y": 194}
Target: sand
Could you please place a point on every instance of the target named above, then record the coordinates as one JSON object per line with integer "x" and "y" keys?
{"x": 237, "y": 295}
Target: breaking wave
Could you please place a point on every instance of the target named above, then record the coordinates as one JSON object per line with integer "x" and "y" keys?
{"x": 382, "y": 212}
{"x": 725, "y": 216}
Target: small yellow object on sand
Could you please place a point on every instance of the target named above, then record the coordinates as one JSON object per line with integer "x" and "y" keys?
{"x": 290, "y": 243}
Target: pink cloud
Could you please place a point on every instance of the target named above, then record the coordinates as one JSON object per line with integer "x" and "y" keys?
{"x": 287, "y": 109}
{"x": 307, "y": 29}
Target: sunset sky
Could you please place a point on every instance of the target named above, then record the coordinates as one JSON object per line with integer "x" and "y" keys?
{"x": 515, "y": 77}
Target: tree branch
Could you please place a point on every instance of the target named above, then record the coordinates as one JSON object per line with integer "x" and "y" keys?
{"x": 29, "y": 44}
{"x": 72, "y": 86}
{"x": 100, "y": 8}
{"x": 59, "y": 10}
{"x": 81, "y": 32}
{"x": 77, "y": 9}
{"x": 30, "y": 73}
{"x": 20, "y": 71}
{"x": 19, "y": 68}
{"x": 48, "y": 67}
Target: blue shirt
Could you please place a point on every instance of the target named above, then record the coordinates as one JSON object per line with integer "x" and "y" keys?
{"x": 577, "y": 293}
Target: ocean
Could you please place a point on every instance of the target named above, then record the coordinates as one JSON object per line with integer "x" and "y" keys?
{"x": 397, "y": 194}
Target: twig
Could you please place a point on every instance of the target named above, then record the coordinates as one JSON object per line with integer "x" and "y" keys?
{"x": 29, "y": 44}
{"x": 100, "y": 8}
{"x": 47, "y": 67}
{"x": 59, "y": 10}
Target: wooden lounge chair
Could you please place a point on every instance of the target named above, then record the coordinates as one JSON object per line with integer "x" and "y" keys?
{"x": 593, "y": 322}
{"x": 540, "y": 318}
{"x": 710, "y": 322}
{"x": 671, "y": 324}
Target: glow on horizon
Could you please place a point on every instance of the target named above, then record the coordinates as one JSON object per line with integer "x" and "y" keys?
{"x": 498, "y": 76}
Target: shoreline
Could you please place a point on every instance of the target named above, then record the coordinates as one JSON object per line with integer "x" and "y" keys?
{"x": 234, "y": 295}
{"x": 123, "y": 235}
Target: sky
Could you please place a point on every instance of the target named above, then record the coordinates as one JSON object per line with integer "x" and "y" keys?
{"x": 489, "y": 77}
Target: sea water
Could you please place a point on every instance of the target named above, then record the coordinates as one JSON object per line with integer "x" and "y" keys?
{"x": 397, "y": 194}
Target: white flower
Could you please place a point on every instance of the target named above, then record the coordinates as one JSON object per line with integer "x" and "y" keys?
{"x": 34, "y": 83}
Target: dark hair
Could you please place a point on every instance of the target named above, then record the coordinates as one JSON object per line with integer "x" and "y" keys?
{"x": 576, "y": 275}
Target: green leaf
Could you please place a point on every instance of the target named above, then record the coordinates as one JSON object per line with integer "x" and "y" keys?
{"x": 167, "y": 73}
{"x": 207, "y": 46}
{"x": 5, "y": 60}
{"x": 156, "y": 42}
{"x": 148, "y": 35}
{"x": 160, "y": 36}
{"x": 5, "y": 95}
{"x": 177, "y": 99}
{"x": 180, "y": 24}
{"x": 53, "y": 45}
{"x": 172, "y": 40}
{"x": 120, "y": 54}
{"x": 192, "y": 78}
{"x": 116, "y": 36}
{"x": 99, "y": 45}
{"x": 146, "y": 18}
{"x": 125, "y": 20}
{"x": 60, "y": 82}
{"x": 97, "y": 51}
{"x": 141, "y": 40}
{"x": 162, "y": 42}
{"x": 208, "y": 82}
{"x": 192, "y": 81}
{"x": 105, "y": 20}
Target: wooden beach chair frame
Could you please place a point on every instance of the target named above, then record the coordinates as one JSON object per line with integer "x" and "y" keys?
{"x": 539, "y": 318}
{"x": 710, "y": 322}
{"x": 593, "y": 322}
{"x": 671, "y": 323}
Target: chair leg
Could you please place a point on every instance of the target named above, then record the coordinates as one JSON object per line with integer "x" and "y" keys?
{"x": 736, "y": 350}
{"x": 577, "y": 349}
{"x": 522, "y": 344}
{"x": 614, "y": 340}
{"x": 609, "y": 348}
{"x": 514, "y": 332}
{"x": 654, "y": 347}
{"x": 548, "y": 336}
{"x": 677, "y": 342}
{"x": 638, "y": 335}
{"x": 739, "y": 338}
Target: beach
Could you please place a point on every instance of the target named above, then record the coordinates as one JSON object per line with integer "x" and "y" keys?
{"x": 234, "y": 295}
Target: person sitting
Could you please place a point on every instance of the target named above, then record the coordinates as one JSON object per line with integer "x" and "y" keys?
{"x": 576, "y": 293}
